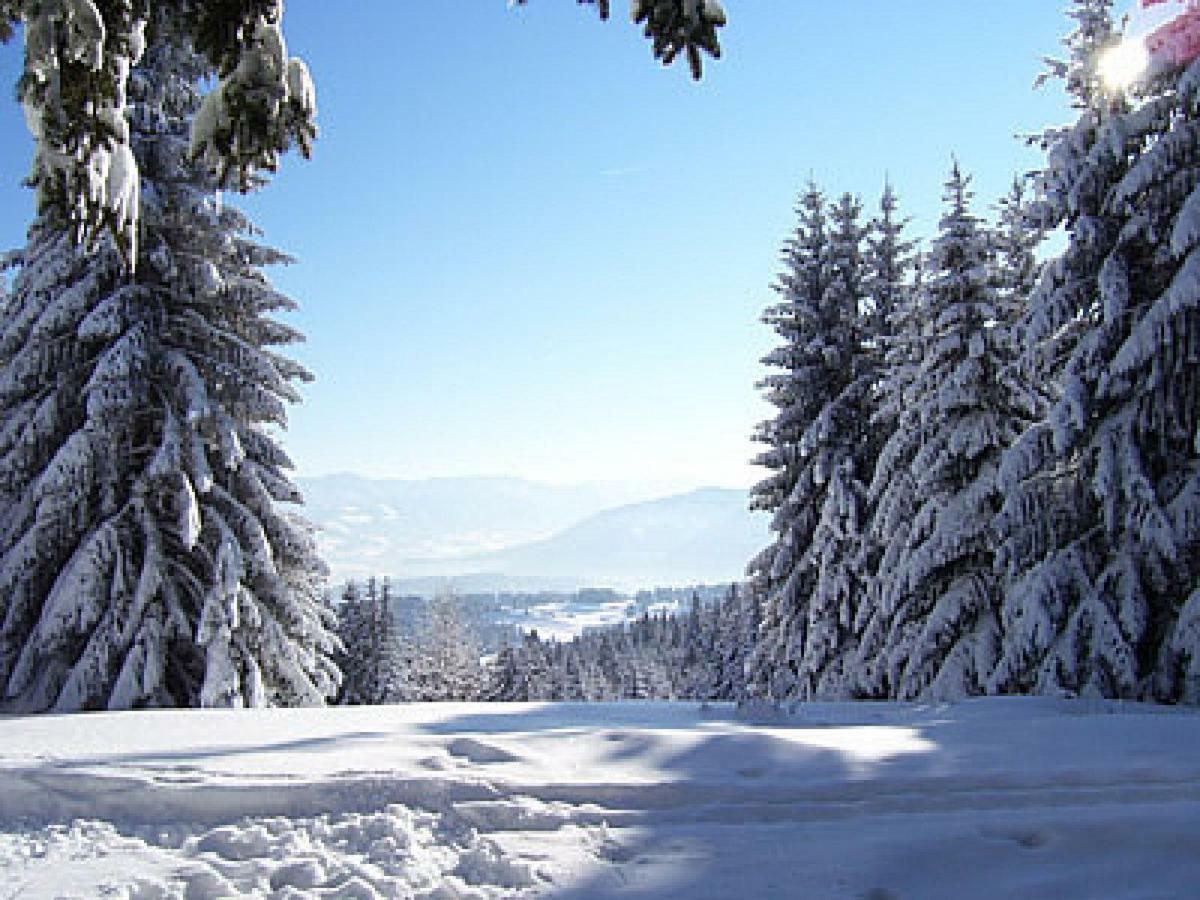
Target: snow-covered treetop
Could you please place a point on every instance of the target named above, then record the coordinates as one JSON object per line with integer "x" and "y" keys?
{"x": 78, "y": 58}
{"x": 958, "y": 255}
{"x": 890, "y": 259}
{"x": 1094, "y": 32}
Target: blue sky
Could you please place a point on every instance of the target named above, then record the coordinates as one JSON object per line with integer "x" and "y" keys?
{"x": 524, "y": 248}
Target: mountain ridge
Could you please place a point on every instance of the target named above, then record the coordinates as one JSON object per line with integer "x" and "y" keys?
{"x": 514, "y": 529}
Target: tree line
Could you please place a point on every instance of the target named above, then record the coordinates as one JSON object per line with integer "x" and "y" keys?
{"x": 985, "y": 473}
{"x": 695, "y": 654}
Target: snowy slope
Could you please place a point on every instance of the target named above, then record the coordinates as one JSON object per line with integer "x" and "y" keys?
{"x": 993, "y": 798}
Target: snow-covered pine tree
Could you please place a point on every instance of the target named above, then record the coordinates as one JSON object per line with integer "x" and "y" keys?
{"x": 520, "y": 672}
{"x": 695, "y": 649}
{"x": 811, "y": 450}
{"x": 896, "y": 339}
{"x": 843, "y": 434}
{"x": 506, "y": 677}
{"x": 1015, "y": 240}
{"x": 370, "y": 656}
{"x": 446, "y": 663}
{"x": 799, "y": 390}
{"x": 736, "y": 624}
{"x": 145, "y": 559}
{"x": 353, "y": 630}
{"x": 888, "y": 260}
{"x": 1102, "y": 521}
{"x": 940, "y": 601}
{"x": 699, "y": 654}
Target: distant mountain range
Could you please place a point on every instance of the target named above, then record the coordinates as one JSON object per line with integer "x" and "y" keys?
{"x": 705, "y": 536}
{"x": 506, "y": 533}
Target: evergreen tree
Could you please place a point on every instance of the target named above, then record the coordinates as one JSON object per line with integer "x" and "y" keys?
{"x": 506, "y": 680}
{"x": 1015, "y": 240}
{"x": 737, "y": 625}
{"x": 940, "y": 600}
{"x": 698, "y": 654}
{"x": 888, "y": 260}
{"x": 1102, "y": 521}
{"x": 896, "y": 337}
{"x": 79, "y": 55}
{"x": 674, "y": 27}
{"x": 370, "y": 661}
{"x": 815, "y": 447}
{"x": 145, "y": 557}
{"x": 447, "y": 657}
{"x": 846, "y": 437}
{"x": 1014, "y": 245}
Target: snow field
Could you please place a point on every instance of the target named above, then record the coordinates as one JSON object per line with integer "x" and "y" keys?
{"x": 993, "y": 798}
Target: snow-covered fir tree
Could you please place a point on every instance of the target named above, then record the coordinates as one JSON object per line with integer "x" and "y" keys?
{"x": 888, "y": 259}
{"x": 805, "y": 376}
{"x": 727, "y": 638}
{"x": 446, "y": 659}
{"x": 370, "y": 657}
{"x": 896, "y": 338}
{"x": 1102, "y": 522}
{"x": 817, "y": 447}
{"x": 844, "y": 432}
{"x": 148, "y": 556}
{"x": 1015, "y": 240}
{"x": 79, "y": 55}
{"x": 937, "y": 615}
{"x": 509, "y": 675}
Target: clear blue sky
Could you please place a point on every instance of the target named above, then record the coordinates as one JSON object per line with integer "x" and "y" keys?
{"x": 526, "y": 249}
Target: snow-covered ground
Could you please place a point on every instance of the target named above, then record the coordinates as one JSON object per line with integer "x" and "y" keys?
{"x": 564, "y": 620}
{"x": 1012, "y": 798}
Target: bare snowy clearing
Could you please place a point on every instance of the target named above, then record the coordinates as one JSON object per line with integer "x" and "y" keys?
{"x": 992, "y": 798}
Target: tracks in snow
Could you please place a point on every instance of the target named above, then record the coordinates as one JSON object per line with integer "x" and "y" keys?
{"x": 56, "y": 793}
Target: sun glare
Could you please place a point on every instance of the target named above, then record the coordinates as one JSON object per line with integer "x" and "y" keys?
{"x": 1124, "y": 64}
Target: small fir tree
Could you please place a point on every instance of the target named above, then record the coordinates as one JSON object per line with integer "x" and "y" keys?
{"x": 370, "y": 659}
{"x": 446, "y": 664}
